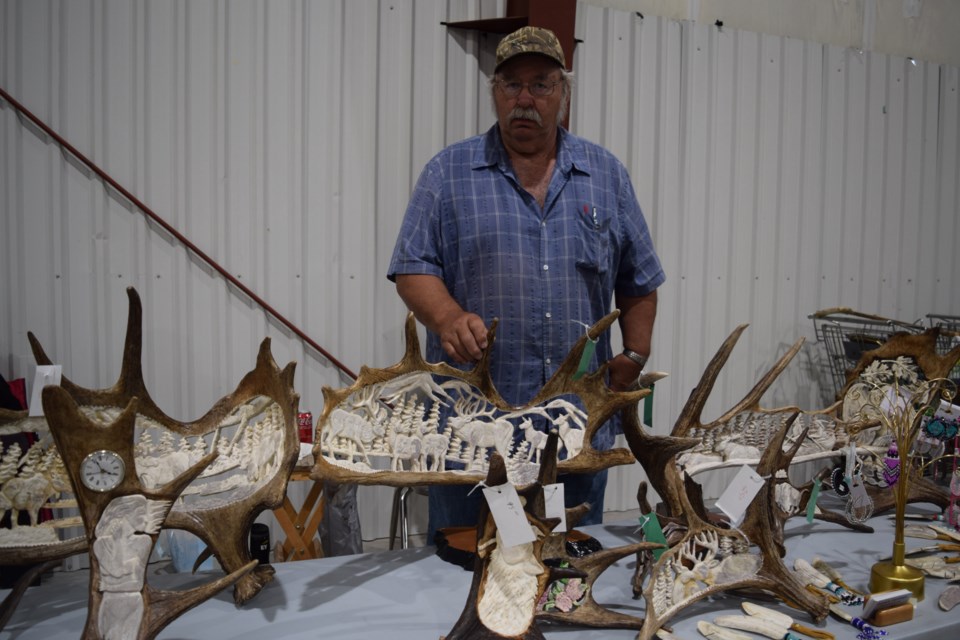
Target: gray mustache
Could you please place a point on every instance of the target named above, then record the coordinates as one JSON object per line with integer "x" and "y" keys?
{"x": 525, "y": 114}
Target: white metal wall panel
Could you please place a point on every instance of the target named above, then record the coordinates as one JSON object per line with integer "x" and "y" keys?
{"x": 779, "y": 176}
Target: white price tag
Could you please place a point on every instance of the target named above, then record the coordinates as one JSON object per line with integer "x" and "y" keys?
{"x": 508, "y": 513}
{"x": 738, "y": 496}
{"x": 47, "y": 374}
{"x": 555, "y": 507}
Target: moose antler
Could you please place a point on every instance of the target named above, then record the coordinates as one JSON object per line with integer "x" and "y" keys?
{"x": 222, "y": 520}
{"x": 477, "y": 399}
{"x": 680, "y": 577}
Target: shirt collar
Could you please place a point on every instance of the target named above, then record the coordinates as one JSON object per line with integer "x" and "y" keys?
{"x": 570, "y": 153}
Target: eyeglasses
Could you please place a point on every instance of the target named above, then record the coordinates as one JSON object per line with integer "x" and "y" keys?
{"x": 538, "y": 89}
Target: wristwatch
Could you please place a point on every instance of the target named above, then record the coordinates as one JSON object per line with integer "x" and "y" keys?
{"x": 636, "y": 357}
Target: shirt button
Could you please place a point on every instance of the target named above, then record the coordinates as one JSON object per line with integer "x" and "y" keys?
{"x": 548, "y": 314}
{"x": 546, "y": 267}
{"x": 543, "y": 224}
{"x": 547, "y": 360}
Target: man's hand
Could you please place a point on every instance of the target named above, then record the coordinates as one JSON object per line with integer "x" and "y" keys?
{"x": 624, "y": 373}
{"x": 463, "y": 336}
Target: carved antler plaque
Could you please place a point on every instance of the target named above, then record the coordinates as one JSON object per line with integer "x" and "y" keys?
{"x": 253, "y": 431}
{"x": 122, "y": 520}
{"x": 417, "y": 423}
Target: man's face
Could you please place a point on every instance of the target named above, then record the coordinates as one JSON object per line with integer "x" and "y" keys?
{"x": 528, "y": 122}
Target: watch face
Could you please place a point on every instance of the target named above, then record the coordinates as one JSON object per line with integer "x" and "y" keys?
{"x": 101, "y": 470}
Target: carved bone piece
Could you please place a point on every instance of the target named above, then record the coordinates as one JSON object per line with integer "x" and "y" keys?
{"x": 658, "y": 455}
{"x": 493, "y": 573}
{"x": 222, "y": 523}
{"x": 782, "y": 620}
{"x": 934, "y": 566}
{"x": 753, "y": 624}
{"x": 714, "y": 632}
{"x": 477, "y": 419}
{"x": 589, "y": 613}
{"x": 123, "y": 523}
{"x": 949, "y": 598}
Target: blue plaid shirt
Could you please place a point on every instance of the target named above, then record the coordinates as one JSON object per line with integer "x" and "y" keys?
{"x": 546, "y": 273}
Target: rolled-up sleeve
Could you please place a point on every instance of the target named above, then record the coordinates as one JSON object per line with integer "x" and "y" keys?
{"x": 418, "y": 247}
{"x": 640, "y": 271}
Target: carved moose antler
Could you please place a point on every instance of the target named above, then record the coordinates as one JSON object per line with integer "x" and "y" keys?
{"x": 706, "y": 559}
{"x": 464, "y": 407}
{"x": 225, "y": 499}
{"x": 122, "y": 524}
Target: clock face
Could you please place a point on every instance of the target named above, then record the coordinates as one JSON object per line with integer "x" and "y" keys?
{"x": 102, "y": 470}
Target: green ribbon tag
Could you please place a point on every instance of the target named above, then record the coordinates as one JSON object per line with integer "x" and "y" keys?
{"x": 585, "y": 359}
{"x": 648, "y": 408}
{"x": 653, "y": 533}
{"x": 812, "y": 502}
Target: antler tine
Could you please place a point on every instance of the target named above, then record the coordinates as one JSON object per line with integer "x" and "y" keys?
{"x": 752, "y": 399}
{"x": 692, "y": 410}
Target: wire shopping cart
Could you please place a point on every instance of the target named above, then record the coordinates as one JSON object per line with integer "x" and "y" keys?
{"x": 846, "y": 334}
{"x": 948, "y": 339}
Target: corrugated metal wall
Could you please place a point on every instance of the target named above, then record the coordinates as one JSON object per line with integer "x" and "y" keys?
{"x": 779, "y": 177}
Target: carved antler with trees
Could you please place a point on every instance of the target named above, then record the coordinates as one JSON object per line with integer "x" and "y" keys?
{"x": 412, "y": 405}
{"x": 37, "y": 545}
{"x": 122, "y": 524}
{"x": 253, "y": 428}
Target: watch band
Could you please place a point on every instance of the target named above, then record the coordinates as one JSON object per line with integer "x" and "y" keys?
{"x": 636, "y": 357}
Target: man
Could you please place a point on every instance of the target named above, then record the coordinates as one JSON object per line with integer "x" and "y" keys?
{"x": 539, "y": 228}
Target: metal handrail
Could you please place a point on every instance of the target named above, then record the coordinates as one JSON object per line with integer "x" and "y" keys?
{"x": 23, "y": 111}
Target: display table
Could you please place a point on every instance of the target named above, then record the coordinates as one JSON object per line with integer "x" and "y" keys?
{"x": 414, "y": 595}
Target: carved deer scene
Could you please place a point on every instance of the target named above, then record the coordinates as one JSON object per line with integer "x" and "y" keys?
{"x": 252, "y": 431}
{"x": 419, "y": 423}
{"x": 122, "y": 524}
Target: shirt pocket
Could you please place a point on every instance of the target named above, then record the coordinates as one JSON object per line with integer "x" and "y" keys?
{"x": 594, "y": 238}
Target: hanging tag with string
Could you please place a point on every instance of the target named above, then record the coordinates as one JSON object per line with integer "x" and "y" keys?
{"x": 508, "y": 513}
{"x": 588, "y": 350}
{"x": 555, "y": 507}
{"x": 812, "y": 502}
{"x": 653, "y": 532}
{"x": 851, "y": 464}
{"x": 739, "y": 494}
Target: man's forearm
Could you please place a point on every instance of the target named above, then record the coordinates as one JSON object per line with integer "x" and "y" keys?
{"x": 637, "y": 314}
{"x": 429, "y": 300}
{"x": 463, "y": 335}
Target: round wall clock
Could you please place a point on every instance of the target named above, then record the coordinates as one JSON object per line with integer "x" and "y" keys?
{"x": 102, "y": 470}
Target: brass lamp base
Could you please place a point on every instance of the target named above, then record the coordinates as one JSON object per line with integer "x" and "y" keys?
{"x": 886, "y": 576}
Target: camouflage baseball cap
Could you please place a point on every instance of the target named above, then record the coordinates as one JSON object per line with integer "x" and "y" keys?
{"x": 530, "y": 40}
